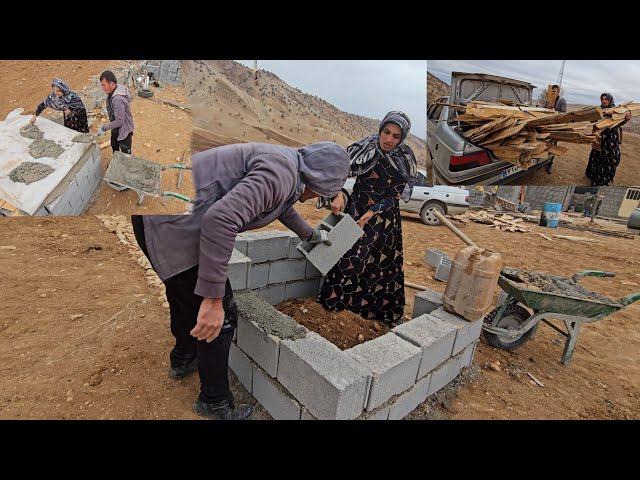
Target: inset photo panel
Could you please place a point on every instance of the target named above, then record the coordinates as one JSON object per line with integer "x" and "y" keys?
{"x": 533, "y": 122}
{"x": 94, "y": 137}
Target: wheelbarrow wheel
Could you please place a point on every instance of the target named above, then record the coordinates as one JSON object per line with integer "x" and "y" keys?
{"x": 512, "y": 318}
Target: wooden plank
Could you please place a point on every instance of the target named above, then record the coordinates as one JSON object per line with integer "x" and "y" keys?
{"x": 590, "y": 114}
{"x": 505, "y": 133}
{"x": 571, "y": 137}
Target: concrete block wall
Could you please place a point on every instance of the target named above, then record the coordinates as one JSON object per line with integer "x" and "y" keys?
{"x": 307, "y": 376}
{"x": 168, "y": 71}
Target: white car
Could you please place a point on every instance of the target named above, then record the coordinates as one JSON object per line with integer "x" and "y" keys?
{"x": 424, "y": 200}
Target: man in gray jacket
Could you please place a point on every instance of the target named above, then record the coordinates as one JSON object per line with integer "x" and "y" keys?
{"x": 119, "y": 111}
{"x": 238, "y": 187}
{"x": 560, "y": 106}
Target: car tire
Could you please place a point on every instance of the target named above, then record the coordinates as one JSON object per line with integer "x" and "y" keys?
{"x": 426, "y": 215}
{"x": 145, "y": 93}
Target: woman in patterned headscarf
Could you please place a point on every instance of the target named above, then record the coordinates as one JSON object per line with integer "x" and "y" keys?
{"x": 603, "y": 162}
{"x": 63, "y": 99}
{"x": 369, "y": 279}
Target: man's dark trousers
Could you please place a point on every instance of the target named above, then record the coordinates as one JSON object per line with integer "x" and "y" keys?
{"x": 184, "y": 304}
{"x": 123, "y": 145}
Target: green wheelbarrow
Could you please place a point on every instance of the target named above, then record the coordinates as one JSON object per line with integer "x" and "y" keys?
{"x": 512, "y": 324}
{"x": 142, "y": 176}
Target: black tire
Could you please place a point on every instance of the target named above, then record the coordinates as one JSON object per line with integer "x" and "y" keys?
{"x": 145, "y": 93}
{"x": 514, "y": 316}
{"x": 427, "y": 217}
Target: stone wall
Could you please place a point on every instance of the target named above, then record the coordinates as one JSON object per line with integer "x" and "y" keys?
{"x": 169, "y": 71}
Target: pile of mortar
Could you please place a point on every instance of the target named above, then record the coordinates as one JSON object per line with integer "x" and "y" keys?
{"x": 45, "y": 148}
{"x": 29, "y": 172}
{"x": 31, "y": 131}
{"x": 83, "y": 138}
{"x": 554, "y": 284}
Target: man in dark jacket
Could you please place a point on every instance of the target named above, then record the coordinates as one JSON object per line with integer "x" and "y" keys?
{"x": 119, "y": 110}
{"x": 238, "y": 187}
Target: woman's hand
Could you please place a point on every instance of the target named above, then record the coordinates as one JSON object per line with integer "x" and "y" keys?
{"x": 32, "y": 120}
{"x": 67, "y": 111}
{"x": 627, "y": 116}
{"x": 210, "y": 320}
{"x": 365, "y": 218}
{"x": 337, "y": 205}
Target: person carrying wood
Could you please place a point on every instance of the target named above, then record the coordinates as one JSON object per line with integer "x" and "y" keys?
{"x": 238, "y": 187}
{"x": 605, "y": 158}
{"x": 559, "y": 105}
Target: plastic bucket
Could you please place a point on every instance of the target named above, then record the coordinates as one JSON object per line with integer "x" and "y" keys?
{"x": 550, "y": 215}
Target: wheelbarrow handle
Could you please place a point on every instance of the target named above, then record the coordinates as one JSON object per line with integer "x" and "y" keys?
{"x": 629, "y": 299}
{"x": 175, "y": 165}
{"x": 591, "y": 273}
{"x": 177, "y": 195}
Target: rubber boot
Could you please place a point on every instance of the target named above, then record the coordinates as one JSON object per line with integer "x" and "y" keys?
{"x": 183, "y": 369}
{"x": 224, "y": 410}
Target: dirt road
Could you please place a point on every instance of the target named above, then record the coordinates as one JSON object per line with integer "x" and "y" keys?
{"x": 162, "y": 132}
{"x": 112, "y": 361}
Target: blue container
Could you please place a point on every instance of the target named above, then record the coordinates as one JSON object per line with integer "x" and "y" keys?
{"x": 550, "y": 215}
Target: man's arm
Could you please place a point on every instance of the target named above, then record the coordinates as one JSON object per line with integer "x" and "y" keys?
{"x": 263, "y": 188}
{"x": 294, "y": 222}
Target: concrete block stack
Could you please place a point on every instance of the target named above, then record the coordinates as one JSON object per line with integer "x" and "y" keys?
{"x": 297, "y": 374}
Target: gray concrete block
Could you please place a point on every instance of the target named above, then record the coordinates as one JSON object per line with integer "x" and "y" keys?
{"x": 241, "y": 244}
{"x": 434, "y": 337}
{"x": 302, "y": 289}
{"x": 393, "y": 363}
{"x": 262, "y": 348}
{"x": 444, "y": 374}
{"x": 240, "y": 364}
{"x": 468, "y": 353}
{"x": 274, "y": 294}
{"x": 328, "y": 382}
{"x": 238, "y": 270}
{"x": 266, "y": 246}
{"x": 433, "y": 256}
{"x": 467, "y": 332}
{"x": 344, "y": 232}
{"x": 275, "y": 400}
{"x": 443, "y": 270}
{"x": 410, "y": 400}
{"x": 381, "y": 413}
{"x": 258, "y": 275}
{"x": 282, "y": 271}
{"x": 426, "y": 302}
{"x": 305, "y": 415}
{"x": 312, "y": 272}
{"x": 293, "y": 248}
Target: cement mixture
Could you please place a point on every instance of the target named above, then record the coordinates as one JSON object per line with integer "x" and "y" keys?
{"x": 83, "y": 138}
{"x": 45, "y": 148}
{"x": 29, "y": 172}
{"x": 134, "y": 172}
{"x": 31, "y": 131}
{"x": 251, "y": 306}
{"x": 554, "y": 284}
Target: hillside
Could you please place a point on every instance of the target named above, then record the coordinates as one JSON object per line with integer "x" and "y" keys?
{"x": 435, "y": 88}
{"x": 229, "y": 106}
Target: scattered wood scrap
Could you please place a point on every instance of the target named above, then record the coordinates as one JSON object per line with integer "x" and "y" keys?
{"x": 597, "y": 230}
{"x": 572, "y": 238}
{"x": 520, "y": 134}
{"x": 497, "y": 221}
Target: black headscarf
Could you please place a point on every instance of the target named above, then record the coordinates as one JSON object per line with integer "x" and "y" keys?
{"x": 366, "y": 153}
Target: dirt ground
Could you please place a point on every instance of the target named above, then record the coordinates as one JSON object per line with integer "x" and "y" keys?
{"x": 569, "y": 168}
{"x": 112, "y": 362}
{"x": 162, "y": 132}
{"x": 344, "y": 329}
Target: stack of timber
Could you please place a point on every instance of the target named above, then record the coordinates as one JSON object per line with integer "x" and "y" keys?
{"x": 497, "y": 221}
{"x": 520, "y": 134}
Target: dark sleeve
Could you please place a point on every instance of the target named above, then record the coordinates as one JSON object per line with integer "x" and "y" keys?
{"x": 119, "y": 108}
{"x": 262, "y": 189}
{"x": 41, "y": 107}
{"x": 298, "y": 225}
{"x": 562, "y": 105}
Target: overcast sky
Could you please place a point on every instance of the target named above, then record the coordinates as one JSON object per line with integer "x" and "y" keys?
{"x": 365, "y": 87}
{"x": 583, "y": 81}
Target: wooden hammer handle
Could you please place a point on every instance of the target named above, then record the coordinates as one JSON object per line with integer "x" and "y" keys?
{"x": 454, "y": 229}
